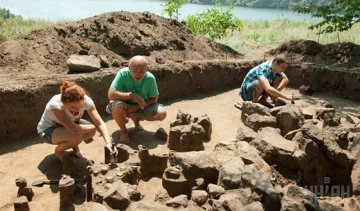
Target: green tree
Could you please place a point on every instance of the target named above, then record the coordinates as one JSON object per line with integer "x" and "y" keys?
{"x": 214, "y": 22}
{"x": 171, "y": 7}
{"x": 337, "y": 15}
{"x": 6, "y": 14}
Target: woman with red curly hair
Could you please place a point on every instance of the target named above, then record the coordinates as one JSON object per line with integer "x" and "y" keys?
{"x": 61, "y": 122}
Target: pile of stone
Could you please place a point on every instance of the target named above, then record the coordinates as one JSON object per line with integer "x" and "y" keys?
{"x": 189, "y": 133}
{"x": 283, "y": 160}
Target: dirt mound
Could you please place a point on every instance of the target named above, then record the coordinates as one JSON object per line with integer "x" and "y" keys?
{"x": 338, "y": 54}
{"x": 118, "y": 35}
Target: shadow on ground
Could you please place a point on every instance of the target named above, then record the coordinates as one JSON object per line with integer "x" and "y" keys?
{"x": 143, "y": 137}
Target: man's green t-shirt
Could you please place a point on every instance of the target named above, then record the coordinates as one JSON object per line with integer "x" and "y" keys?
{"x": 146, "y": 88}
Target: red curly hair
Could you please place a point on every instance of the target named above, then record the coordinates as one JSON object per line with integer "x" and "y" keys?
{"x": 71, "y": 92}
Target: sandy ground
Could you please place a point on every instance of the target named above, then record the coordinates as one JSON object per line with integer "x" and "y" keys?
{"x": 34, "y": 160}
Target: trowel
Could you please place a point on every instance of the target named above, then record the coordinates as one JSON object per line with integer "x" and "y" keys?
{"x": 40, "y": 183}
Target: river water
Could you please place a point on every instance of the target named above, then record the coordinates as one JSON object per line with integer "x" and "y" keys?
{"x": 57, "y": 10}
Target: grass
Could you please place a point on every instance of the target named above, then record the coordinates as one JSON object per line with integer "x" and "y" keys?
{"x": 17, "y": 28}
{"x": 270, "y": 34}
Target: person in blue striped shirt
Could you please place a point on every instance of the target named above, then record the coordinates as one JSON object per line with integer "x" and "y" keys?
{"x": 264, "y": 80}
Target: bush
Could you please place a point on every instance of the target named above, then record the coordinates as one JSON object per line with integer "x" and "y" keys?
{"x": 172, "y": 7}
{"x": 214, "y": 22}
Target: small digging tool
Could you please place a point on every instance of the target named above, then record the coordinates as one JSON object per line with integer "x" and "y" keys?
{"x": 40, "y": 183}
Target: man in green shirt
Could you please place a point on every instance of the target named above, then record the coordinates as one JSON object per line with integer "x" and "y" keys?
{"x": 134, "y": 94}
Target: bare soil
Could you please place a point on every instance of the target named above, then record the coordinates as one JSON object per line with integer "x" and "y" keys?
{"x": 37, "y": 161}
{"x": 118, "y": 36}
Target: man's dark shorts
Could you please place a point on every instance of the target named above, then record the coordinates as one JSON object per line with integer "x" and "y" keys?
{"x": 248, "y": 91}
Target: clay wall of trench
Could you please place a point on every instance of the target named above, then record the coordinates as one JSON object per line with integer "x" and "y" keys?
{"x": 21, "y": 108}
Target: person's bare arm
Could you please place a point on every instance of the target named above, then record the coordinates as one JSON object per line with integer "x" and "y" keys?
{"x": 284, "y": 81}
{"x": 116, "y": 95}
{"x": 271, "y": 90}
{"x": 151, "y": 101}
{"x": 71, "y": 126}
{"x": 99, "y": 124}
{"x": 101, "y": 127}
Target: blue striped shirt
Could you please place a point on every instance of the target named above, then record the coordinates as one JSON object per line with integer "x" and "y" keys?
{"x": 262, "y": 70}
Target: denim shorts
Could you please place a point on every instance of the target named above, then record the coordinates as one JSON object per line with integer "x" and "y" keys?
{"x": 47, "y": 134}
{"x": 247, "y": 92}
{"x": 149, "y": 111}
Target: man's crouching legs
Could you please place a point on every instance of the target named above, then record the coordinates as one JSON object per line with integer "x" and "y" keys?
{"x": 155, "y": 112}
{"x": 119, "y": 114}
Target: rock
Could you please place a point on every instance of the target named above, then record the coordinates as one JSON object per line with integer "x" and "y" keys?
{"x": 230, "y": 172}
{"x": 320, "y": 112}
{"x": 290, "y": 135}
{"x": 21, "y": 204}
{"x": 185, "y": 138}
{"x": 352, "y": 119}
{"x": 330, "y": 120}
{"x": 83, "y": 63}
{"x": 161, "y": 134}
{"x": 162, "y": 196}
{"x": 275, "y": 149}
{"x": 233, "y": 200}
{"x": 175, "y": 183}
{"x": 289, "y": 118}
{"x": 178, "y": 201}
{"x": 261, "y": 184}
{"x": 26, "y": 191}
{"x": 182, "y": 118}
{"x": 104, "y": 62}
{"x": 131, "y": 175}
{"x": 121, "y": 194}
{"x": 146, "y": 205}
{"x": 115, "y": 63}
{"x": 160, "y": 60}
{"x": 256, "y": 121}
{"x": 303, "y": 196}
{"x": 196, "y": 165}
{"x": 306, "y": 89}
{"x": 152, "y": 164}
{"x": 215, "y": 191}
{"x": 204, "y": 121}
{"x": 274, "y": 111}
{"x": 199, "y": 196}
{"x": 251, "y": 108}
{"x": 21, "y": 182}
{"x": 254, "y": 206}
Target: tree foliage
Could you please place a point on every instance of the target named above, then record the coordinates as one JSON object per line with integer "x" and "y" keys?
{"x": 6, "y": 14}
{"x": 337, "y": 15}
{"x": 171, "y": 8}
{"x": 214, "y": 22}
{"x": 284, "y": 4}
